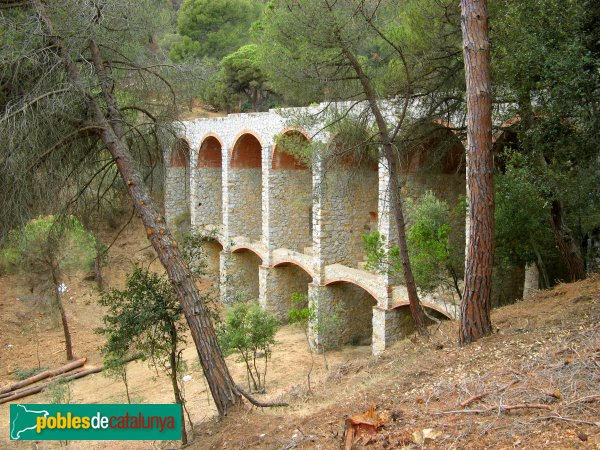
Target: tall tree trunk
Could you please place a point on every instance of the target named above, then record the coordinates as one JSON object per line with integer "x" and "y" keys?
{"x": 476, "y": 302}
{"x": 222, "y": 387}
{"x": 568, "y": 248}
{"x": 396, "y": 202}
{"x": 63, "y": 314}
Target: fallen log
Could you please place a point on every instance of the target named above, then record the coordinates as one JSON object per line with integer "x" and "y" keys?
{"x": 43, "y": 375}
{"x": 9, "y": 394}
{"x": 69, "y": 377}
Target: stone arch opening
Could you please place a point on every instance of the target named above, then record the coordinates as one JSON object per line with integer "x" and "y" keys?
{"x": 242, "y": 278}
{"x": 354, "y": 307}
{"x": 432, "y": 148}
{"x": 180, "y": 153}
{"x": 284, "y": 280}
{"x": 208, "y": 200}
{"x": 349, "y": 192}
{"x": 405, "y": 324}
{"x": 177, "y": 186}
{"x": 290, "y": 184}
{"x": 245, "y": 188}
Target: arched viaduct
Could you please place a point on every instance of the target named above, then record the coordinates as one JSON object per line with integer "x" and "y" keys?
{"x": 283, "y": 226}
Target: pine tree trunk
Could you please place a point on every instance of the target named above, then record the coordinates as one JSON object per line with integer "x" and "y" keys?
{"x": 63, "y": 314}
{"x": 216, "y": 372}
{"x": 221, "y": 384}
{"x": 396, "y": 202}
{"x": 476, "y": 302}
{"x": 568, "y": 248}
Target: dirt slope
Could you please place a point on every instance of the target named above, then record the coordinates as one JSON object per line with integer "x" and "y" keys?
{"x": 546, "y": 352}
{"x": 539, "y": 375}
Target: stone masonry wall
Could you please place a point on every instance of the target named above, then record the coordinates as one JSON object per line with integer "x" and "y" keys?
{"x": 277, "y": 286}
{"x": 290, "y": 209}
{"x": 355, "y": 311}
{"x": 349, "y": 210}
{"x": 177, "y": 198}
{"x": 273, "y": 207}
{"x": 245, "y": 204}
{"x": 208, "y": 196}
{"x": 241, "y": 281}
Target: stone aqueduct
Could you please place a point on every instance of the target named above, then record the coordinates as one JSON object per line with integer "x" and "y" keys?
{"x": 281, "y": 227}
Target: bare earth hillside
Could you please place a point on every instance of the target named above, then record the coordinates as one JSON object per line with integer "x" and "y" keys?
{"x": 534, "y": 384}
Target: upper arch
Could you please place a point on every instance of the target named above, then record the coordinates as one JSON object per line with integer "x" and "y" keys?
{"x": 245, "y": 247}
{"x": 246, "y": 152}
{"x": 180, "y": 152}
{"x": 281, "y": 160}
{"x": 210, "y": 152}
{"x": 293, "y": 262}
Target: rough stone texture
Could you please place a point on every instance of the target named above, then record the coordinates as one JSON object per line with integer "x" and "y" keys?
{"x": 354, "y": 310}
{"x": 306, "y": 224}
{"x": 388, "y": 326}
{"x": 245, "y": 206}
{"x": 277, "y": 284}
{"x": 177, "y": 194}
{"x": 531, "y": 285}
{"x": 348, "y": 209}
{"x": 239, "y": 276}
{"x": 212, "y": 250}
{"x": 207, "y": 197}
{"x": 290, "y": 209}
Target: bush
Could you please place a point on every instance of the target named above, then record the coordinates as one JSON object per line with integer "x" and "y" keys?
{"x": 249, "y": 331}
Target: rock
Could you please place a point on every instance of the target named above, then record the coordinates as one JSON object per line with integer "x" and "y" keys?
{"x": 425, "y": 436}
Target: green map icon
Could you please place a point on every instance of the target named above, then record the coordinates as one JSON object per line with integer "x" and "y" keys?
{"x": 24, "y": 419}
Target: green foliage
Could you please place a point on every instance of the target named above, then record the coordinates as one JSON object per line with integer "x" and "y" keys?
{"x": 145, "y": 317}
{"x": 59, "y": 391}
{"x": 213, "y": 28}
{"x": 23, "y": 373}
{"x": 434, "y": 260}
{"x": 429, "y": 242}
{"x": 546, "y": 61}
{"x": 48, "y": 241}
{"x": 243, "y": 75}
{"x": 521, "y": 215}
{"x": 302, "y": 311}
{"x": 249, "y": 331}
{"x": 304, "y": 49}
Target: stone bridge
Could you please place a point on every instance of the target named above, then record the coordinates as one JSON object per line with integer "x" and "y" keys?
{"x": 282, "y": 226}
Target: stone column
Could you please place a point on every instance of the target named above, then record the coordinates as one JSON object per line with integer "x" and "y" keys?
{"x": 226, "y": 152}
{"x": 321, "y": 299}
{"x": 176, "y": 195}
{"x": 389, "y": 325}
{"x": 267, "y": 198}
{"x": 227, "y": 290}
{"x": 532, "y": 280}
{"x": 386, "y": 222}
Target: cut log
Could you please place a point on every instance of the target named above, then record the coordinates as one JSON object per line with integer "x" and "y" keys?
{"x": 43, "y": 375}
{"x": 69, "y": 377}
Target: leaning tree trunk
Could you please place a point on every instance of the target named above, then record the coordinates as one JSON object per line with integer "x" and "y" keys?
{"x": 476, "y": 302}
{"x": 396, "y": 202}
{"x": 568, "y": 248}
{"x": 63, "y": 314}
{"x": 219, "y": 379}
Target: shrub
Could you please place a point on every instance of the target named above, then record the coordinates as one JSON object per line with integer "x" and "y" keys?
{"x": 249, "y": 331}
